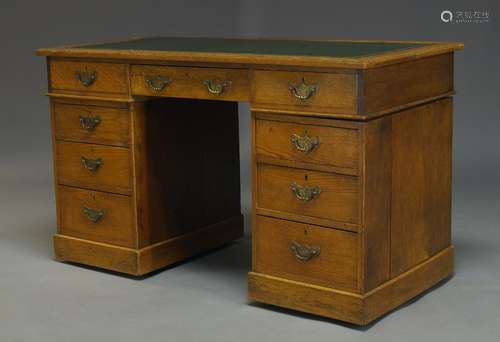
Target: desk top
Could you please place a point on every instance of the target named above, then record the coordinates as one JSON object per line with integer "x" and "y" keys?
{"x": 313, "y": 53}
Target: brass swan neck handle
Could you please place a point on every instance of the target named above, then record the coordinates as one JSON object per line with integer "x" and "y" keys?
{"x": 304, "y": 252}
{"x": 303, "y": 91}
{"x": 305, "y": 193}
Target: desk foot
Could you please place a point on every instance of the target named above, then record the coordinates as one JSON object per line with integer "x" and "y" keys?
{"x": 139, "y": 262}
{"x": 359, "y": 309}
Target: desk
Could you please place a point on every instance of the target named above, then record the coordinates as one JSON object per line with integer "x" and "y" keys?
{"x": 351, "y": 163}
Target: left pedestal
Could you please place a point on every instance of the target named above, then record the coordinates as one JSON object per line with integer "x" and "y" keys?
{"x": 137, "y": 185}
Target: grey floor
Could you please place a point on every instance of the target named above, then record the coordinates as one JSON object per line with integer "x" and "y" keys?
{"x": 205, "y": 299}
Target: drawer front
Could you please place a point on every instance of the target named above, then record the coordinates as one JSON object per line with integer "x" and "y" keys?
{"x": 306, "y": 253}
{"x": 96, "y": 216}
{"x": 308, "y": 193}
{"x": 305, "y": 91}
{"x": 196, "y": 83}
{"x": 329, "y": 146}
{"x": 93, "y": 166}
{"x": 110, "y": 78}
{"x": 100, "y": 125}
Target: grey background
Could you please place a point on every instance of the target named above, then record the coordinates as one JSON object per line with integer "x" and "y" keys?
{"x": 205, "y": 299}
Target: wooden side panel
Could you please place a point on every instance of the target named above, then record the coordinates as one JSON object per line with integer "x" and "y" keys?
{"x": 377, "y": 201}
{"x": 187, "y": 166}
{"x": 400, "y": 84}
{"x": 421, "y": 187}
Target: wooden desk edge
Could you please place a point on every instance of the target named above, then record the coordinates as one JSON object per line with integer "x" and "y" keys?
{"x": 365, "y": 62}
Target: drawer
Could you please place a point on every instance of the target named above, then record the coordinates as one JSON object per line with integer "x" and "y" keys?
{"x": 96, "y": 167}
{"x": 306, "y": 253}
{"x": 329, "y": 146}
{"x": 309, "y": 194}
{"x": 88, "y": 77}
{"x": 100, "y": 125}
{"x": 96, "y": 216}
{"x": 195, "y": 83}
{"x": 305, "y": 91}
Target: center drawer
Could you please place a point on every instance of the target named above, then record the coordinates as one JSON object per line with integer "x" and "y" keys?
{"x": 306, "y": 253}
{"x": 189, "y": 82}
{"x": 95, "y": 167}
{"x": 308, "y": 193}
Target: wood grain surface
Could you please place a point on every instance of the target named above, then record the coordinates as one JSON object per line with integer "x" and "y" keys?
{"x": 115, "y": 227}
{"x": 113, "y": 129}
{"x": 377, "y": 183}
{"x": 338, "y": 200}
{"x": 399, "y": 84}
{"x": 111, "y": 78}
{"x": 188, "y": 82}
{"x": 338, "y": 147}
{"x": 114, "y": 175}
{"x": 336, "y": 93}
{"x": 421, "y": 184}
{"x": 186, "y": 175}
{"x": 335, "y": 266}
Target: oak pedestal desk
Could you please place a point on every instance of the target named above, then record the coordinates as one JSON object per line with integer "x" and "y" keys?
{"x": 351, "y": 163}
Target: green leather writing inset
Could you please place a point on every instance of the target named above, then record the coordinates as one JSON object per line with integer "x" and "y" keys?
{"x": 340, "y": 49}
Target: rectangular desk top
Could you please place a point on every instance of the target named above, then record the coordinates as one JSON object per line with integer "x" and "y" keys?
{"x": 308, "y": 53}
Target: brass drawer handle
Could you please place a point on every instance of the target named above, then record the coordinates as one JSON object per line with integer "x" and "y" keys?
{"x": 92, "y": 164}
{"x": 86, "y": 78}
{"x": 305, "y": 143}
{"x": 89, "y": 123}
{"x": 303, "y": 91}
{"x": 305, "y": 193}
{"x": 217, "y": 87}
{"x": 94, "y": 215}
{"x": 157, "y": 83}
{"x": 304, "y": 252}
